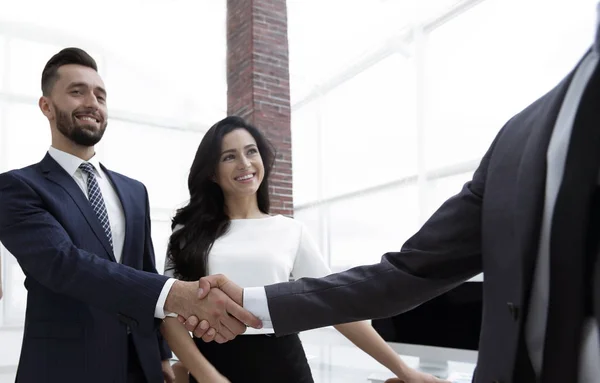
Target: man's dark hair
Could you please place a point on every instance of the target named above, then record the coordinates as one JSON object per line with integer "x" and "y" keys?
{"x": 66, "y": 56}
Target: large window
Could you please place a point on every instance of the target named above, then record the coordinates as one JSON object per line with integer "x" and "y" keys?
{"x": 388, "y": 125}
{"x": 15, "y": 295}
{"x": 25, "y": 59}
{"x": 368, "y": 128}
{"x": 162, "y": 163}
{"x": 489, "y": 63}
{"x": 307, "y": 162}
{"x": 365, "y": 227}
{"x": 27, "y": 135}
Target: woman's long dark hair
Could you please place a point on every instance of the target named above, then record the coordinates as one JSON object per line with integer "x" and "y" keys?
{"x": 204, "y": 218}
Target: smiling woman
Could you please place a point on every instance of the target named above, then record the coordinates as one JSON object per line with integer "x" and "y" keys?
{"x": 229, "y": 179}
{"x": 226, "y": 229}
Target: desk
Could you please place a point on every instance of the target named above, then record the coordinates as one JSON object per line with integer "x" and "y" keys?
{"x": 454, "y": 377}
{"x": 334, "y": 359}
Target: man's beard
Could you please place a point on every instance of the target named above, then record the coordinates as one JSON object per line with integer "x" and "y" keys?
{"x": 76, "y": 130}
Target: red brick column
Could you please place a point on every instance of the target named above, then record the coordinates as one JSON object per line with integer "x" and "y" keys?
{"x": 258, "y": 83}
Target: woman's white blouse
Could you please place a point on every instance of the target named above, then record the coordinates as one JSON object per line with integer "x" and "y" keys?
{"x": 263, "y": 251}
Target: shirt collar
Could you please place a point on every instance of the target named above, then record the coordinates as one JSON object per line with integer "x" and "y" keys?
{"x": 71, "y": 163}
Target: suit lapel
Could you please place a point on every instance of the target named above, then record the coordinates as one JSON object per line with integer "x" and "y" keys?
{"x": 531, "y": 179}
{"x": 55, "y": 173}
{"x": 124, "y": 194}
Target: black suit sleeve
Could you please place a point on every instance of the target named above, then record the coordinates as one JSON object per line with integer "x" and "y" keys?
{"x": 445, "y": 252}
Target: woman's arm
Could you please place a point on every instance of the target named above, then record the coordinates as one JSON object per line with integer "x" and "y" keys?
{"x": 182, "y": 344}
{"x": 364, "y": 336}
{"x": 310, "y": 263}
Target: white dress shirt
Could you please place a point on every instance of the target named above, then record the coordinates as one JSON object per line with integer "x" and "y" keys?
{"x": 263, "y": 251}
{"x": 116, "y": 215}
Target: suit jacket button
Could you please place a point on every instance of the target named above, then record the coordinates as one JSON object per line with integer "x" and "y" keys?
{"x": 513, "y": 310}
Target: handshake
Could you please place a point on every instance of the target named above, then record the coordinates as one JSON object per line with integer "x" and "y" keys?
{"x": 211, "y": 308}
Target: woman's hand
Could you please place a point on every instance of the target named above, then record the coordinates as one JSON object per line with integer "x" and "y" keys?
{"x": 414, "y": 376}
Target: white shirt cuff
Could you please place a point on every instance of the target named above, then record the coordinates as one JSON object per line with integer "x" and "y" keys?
{"x": 159, "y": 311}
{"x": 255, "y": 301}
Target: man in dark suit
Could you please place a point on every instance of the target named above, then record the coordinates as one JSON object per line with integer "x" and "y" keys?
{"x": 529, "y": 220}
{"x": 81, "y": 234}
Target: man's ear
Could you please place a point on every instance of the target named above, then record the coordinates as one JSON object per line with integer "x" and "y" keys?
{"x": 45, "y": 107}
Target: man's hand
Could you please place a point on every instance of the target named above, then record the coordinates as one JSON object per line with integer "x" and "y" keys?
{"x": 203, "y": 329}
{"x": 221, "y": 282}
{"x": 168, "y": 373}
{"x": 225, "y": 316}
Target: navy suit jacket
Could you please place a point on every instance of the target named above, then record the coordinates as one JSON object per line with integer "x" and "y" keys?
{"x": 80, "y": 302}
